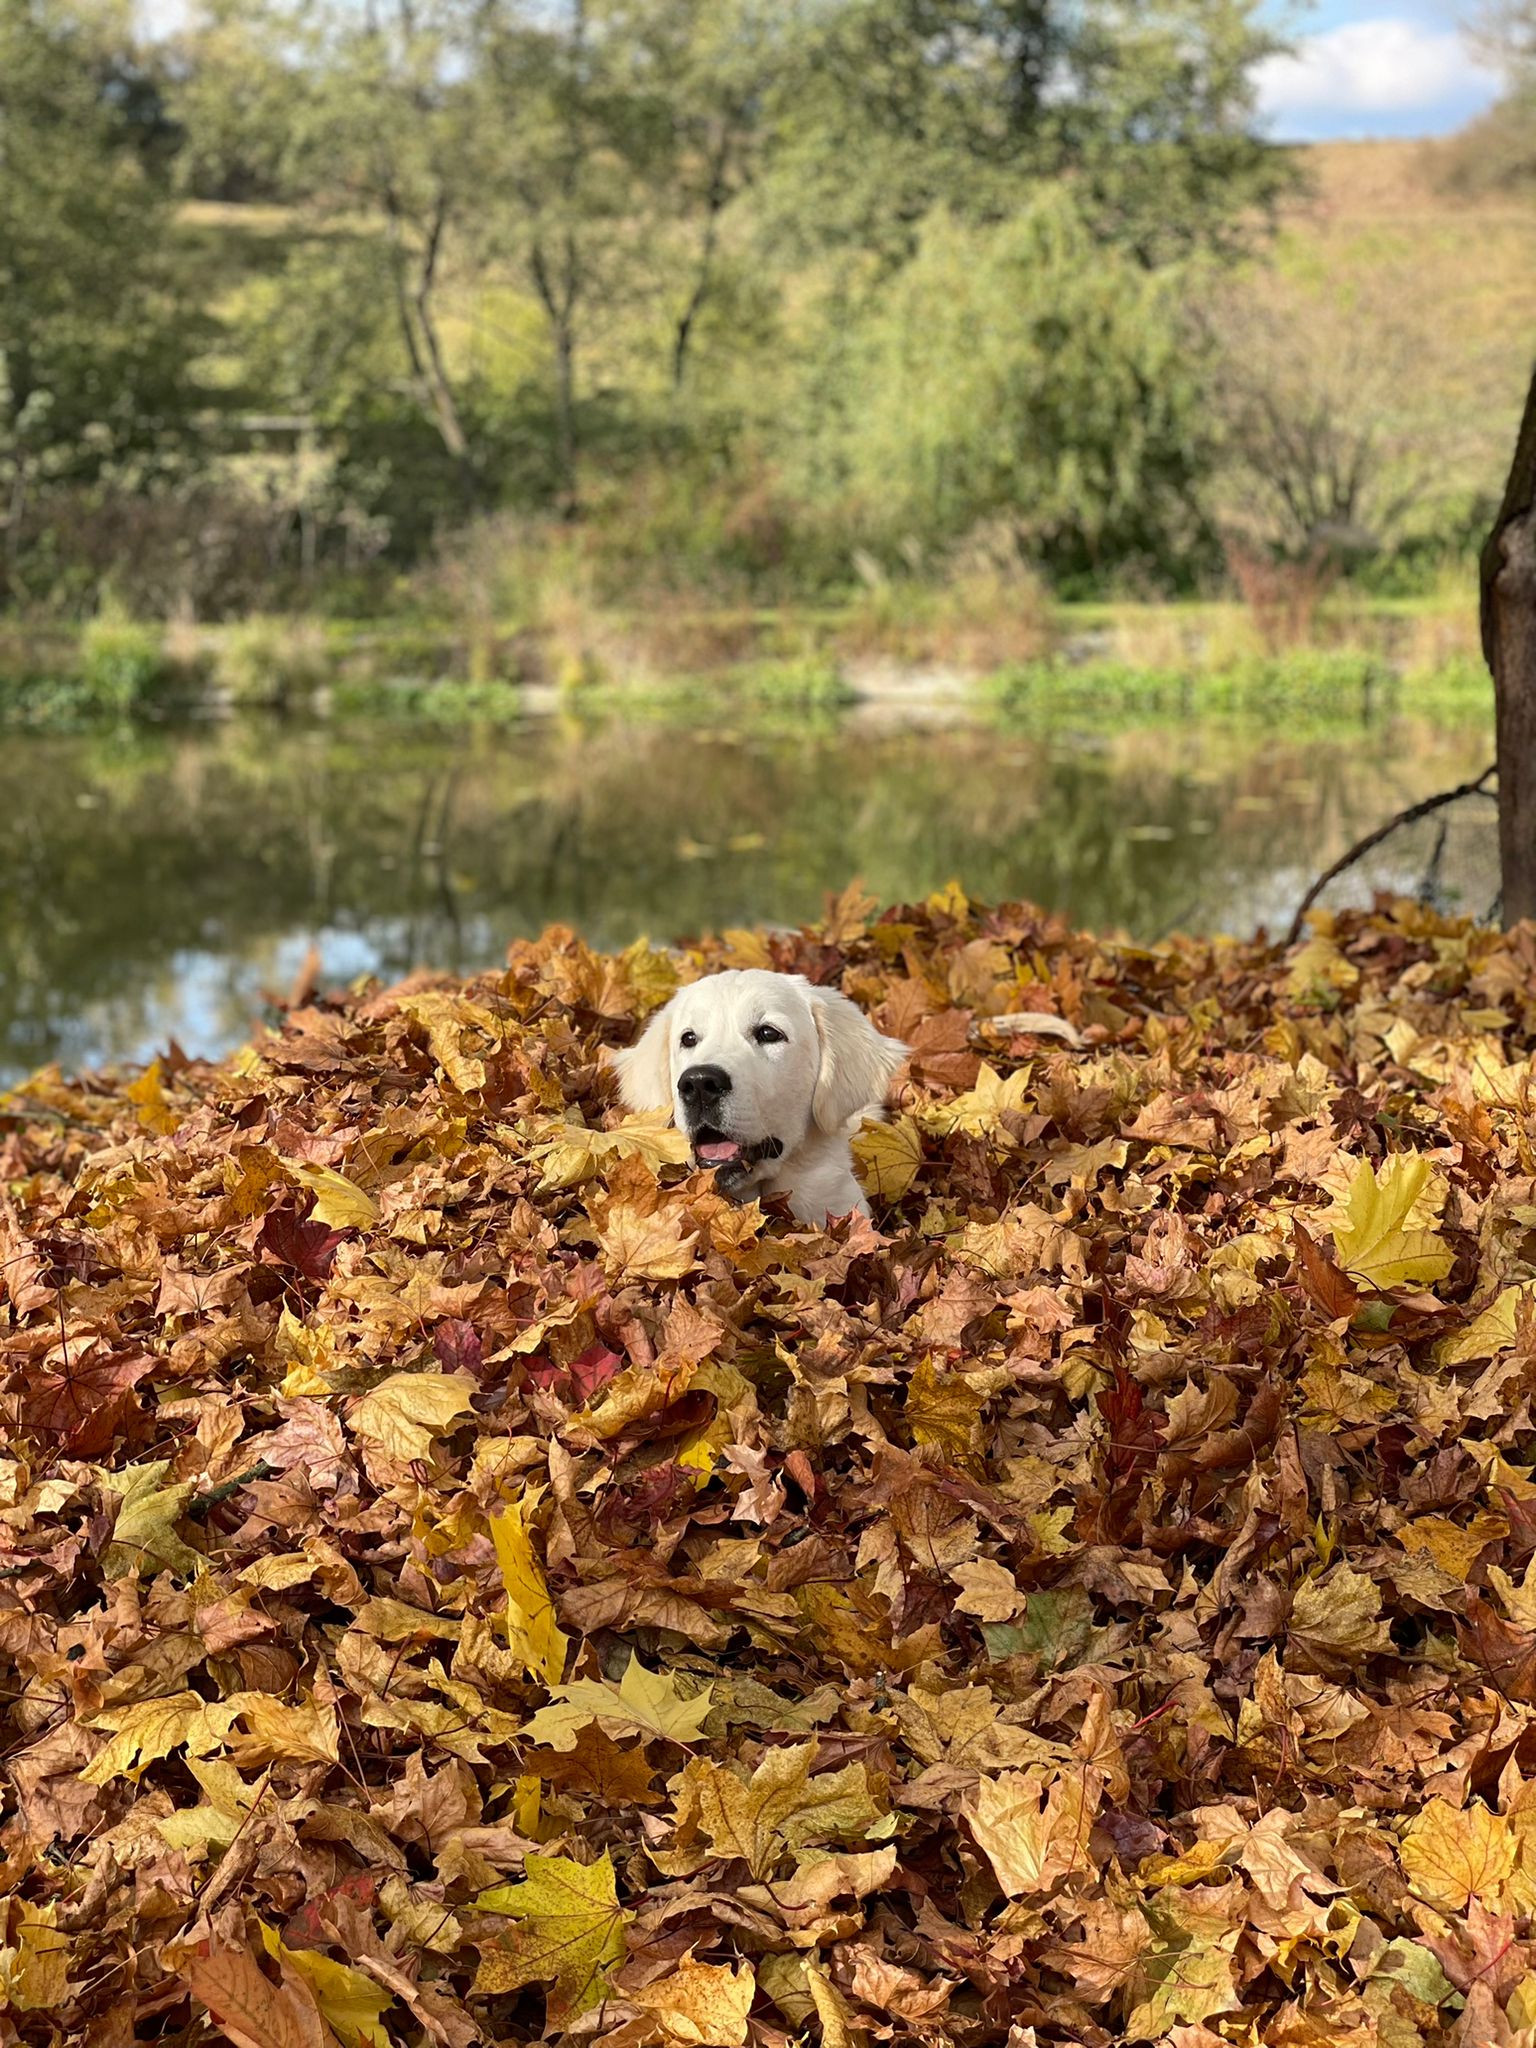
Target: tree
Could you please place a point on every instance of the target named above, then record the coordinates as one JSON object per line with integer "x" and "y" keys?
{"x": 1504, "y": 31}
{"x": 569, "y": 132}
{"x": 1508, "y": 578}
{"x": 383, "y": 126}
{"x": 95, "y": 333}
{"x": 888, "y": 109}
{"x": 1020, "y": 372}
{"x": 1331, "y": 389}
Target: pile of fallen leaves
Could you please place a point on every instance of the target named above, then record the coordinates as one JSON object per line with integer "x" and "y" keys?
{"x": 462, "y": 1580}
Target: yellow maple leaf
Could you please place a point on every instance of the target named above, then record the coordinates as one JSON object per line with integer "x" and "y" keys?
{"x": 460, "y": 1033}
{"x": 640, "y": 1244}
{"x": 396, "y": 1621}
{"x": 1453, "y": 1546}
{"x": 1491, "y": 1332}
{"x": 569, "y": 1153}
{"x": 1382, "y": 1240}
{"x": 644, "y": 1703}
{"x": 570, "y": 1934}
{"x": 1184, "y": 1973}
{"x": 1519, "y": 1597}
{"x": 782, "y": 1807}
{"x": 274, "y": 1731}
{"x": 214, "y": 1824}
{"x": 1453, "y": 1855}
{"x": 147, "y": 1095}
{"x": 980, "y": 1111}
{"x": 142, "y": 1734}
{"x": 34, "y": 1962}
{"x": 406, "y": 1413}
{"x": 526, "y": 1802}
{"x": 652, "y": 975}
{"x": 701, "y": 2005}
{"x": 144, "y": 1537}
{"x": 532, "y": 1631}
{"x": 277, "y": 1573}
{"x": 889, "y": 1158}
{"x": 351, "y": 2002}
{"x": 987, "y": 1591}
{"x": 944, "y": 1409}
{"x": 340, "y": 1204}
{"x": 310, "y": 1353}
{"x": 1340, "y": 1615}
{"x": 1033, "y": 1825}
{"x": 1319, "y": 966}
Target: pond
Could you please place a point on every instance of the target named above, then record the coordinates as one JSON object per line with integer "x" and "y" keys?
{"x": 171, "y": 884}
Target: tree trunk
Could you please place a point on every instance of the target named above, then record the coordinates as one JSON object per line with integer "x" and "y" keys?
{"x": 567, "y": 452}
{"x": 1509, "y": 644}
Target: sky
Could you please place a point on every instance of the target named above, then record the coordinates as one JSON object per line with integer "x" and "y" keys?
{"x": 1372, "y": 67}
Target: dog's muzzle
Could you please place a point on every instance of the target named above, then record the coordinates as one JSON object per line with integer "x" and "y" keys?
{"x": 735, "y": 1160}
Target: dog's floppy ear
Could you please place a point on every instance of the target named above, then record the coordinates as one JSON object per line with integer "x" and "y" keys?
{"x": 645, "y": 1068}
{"x": 857, "y": 1062}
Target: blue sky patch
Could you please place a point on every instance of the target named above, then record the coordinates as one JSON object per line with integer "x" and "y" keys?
{"x": 1364, "y": 69}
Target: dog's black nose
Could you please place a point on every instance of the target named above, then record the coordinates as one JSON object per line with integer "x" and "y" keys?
{"x": 702, "y": 1087}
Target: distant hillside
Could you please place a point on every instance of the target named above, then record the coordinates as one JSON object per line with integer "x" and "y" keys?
{"x": 1391, "y": 325}
{"x": 1469, "y": 262}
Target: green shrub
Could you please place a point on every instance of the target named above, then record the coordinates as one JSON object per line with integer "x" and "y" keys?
{"x": 418, "y": 698}
{"x": 1343, "y": 680}
{"x": 283, "y": 664}
{"x": 1342, "y": 684}
{"x": 1029, "y": 684}
{"x": 124, "y": 669}
{"x": 1459, "y": 683}
{"x": 807, "y": 679}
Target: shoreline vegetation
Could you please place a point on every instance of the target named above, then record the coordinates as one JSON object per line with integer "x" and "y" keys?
{"x": 1359, "y": 658}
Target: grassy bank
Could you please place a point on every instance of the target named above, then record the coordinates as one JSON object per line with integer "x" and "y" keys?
{"x": 1360, "y": 654}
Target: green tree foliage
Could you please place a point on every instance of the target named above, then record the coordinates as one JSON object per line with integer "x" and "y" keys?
{"x": 95, "y": 331}
{"x": 1017, "y": 371}
{"x": 892, "y": 107}
{"x": 865, "y": 270}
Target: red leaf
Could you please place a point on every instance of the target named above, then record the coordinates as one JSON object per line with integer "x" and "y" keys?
{"x": 305, "y": 1927}
{"x": 1134, "y": 1429}
{"x": 293, "y": 1241}
{"x": 593, "y": 1369}
{"x": 458, "y": 1346}
{"x": 1329, "y": 1288}
{"x": 579, "y": 1380}
{"x": 1506, "y": 1654}
{"x": 85, "y": 1403}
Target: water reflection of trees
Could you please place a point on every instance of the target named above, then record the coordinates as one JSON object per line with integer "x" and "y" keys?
{"x": 132, "y": 867}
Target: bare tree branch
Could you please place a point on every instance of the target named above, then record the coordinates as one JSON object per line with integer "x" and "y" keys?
{"x": 1361, "y": 847}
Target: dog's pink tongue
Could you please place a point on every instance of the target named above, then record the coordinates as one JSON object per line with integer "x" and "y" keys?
{"x": 720, "y": 1151}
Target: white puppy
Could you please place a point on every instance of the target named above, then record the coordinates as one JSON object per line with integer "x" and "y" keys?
{"x": 769, "y": 1077}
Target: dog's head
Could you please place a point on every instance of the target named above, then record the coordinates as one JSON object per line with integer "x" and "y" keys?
{"x": 752, "y": 1063}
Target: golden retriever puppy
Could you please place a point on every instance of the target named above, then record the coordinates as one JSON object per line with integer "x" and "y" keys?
{"x": 769, "y": 1077}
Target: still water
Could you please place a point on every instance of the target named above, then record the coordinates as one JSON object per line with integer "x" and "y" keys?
{"x": 172, "y": 884}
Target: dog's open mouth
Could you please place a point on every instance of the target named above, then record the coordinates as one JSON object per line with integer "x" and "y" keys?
{"x": 732, "y": 1158}
{"x": 715, "y": 1150}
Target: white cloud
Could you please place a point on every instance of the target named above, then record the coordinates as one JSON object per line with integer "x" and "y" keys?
{"x": 158, "y": 18}
{"x": 1390, "y": 67}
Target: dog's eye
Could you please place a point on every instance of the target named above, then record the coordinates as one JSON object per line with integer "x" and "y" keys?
{"x": 768, "y": 1034}
{"x": 689, "y": 1040}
